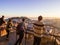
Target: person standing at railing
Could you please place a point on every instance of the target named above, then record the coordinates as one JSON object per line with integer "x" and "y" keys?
{"x": 38, "y": 28}
{"x": 9, "y": 25}
{"x": 20, "y": 31}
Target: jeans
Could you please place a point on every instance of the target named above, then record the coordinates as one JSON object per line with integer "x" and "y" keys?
{"x": 7, "y": 33}
{"x": 21, "y": 35}
{"x": 37, "y": 40}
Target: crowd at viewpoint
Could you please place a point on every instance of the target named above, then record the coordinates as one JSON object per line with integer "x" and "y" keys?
{"x": 37, "y": 27}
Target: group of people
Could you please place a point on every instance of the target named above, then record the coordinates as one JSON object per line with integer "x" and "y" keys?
{"x": 38, "y": 28}
{"x": 7, "y": 27}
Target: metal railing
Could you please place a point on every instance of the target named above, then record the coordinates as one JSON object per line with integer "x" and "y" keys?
{"x": 56, "y": 37}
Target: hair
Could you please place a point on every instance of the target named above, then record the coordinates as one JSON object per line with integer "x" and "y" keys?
{"x": 3, "y": 16}
{"x": 9, "y": 20}
{"x": 23, "y": 19}
{"x": 40, "y": 18}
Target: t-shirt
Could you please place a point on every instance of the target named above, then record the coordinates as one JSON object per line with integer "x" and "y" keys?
{"x": 20, "y": 26}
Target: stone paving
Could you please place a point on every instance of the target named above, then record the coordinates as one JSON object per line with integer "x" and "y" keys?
{"x": 13, "y": 38}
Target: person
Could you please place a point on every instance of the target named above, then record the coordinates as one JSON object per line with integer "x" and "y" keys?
{"x": 1, "y": 24}
{"x": 20, "y": 29}
{"x": 38, "y": 27}
{"x": 9, "y": 25}
{"x": 2, "y": 20}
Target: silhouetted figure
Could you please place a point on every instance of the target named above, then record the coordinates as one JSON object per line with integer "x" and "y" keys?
{"x": 1, "y": 23}
{"x": 2, "y": 20}
{"x": 38, "y": 28}
{"x": 20, "y": 30}
{"x": 9, "y": 25}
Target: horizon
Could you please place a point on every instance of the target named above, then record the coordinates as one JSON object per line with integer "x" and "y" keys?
{"x": 33, "y": 17}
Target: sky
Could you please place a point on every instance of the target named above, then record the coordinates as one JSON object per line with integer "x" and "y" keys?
{"x": 30, "y": 8}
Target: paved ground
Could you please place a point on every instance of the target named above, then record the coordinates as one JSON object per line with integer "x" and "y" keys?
{"x": 12, "y": 40}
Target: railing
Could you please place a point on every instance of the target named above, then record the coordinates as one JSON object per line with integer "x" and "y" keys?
{"x": 53, "y": 30}
{"x": 49, "y": 35}
{"x": 56, "y": 37}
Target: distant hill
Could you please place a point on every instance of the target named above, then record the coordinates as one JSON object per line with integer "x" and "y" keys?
{"x": 17, "y": 19}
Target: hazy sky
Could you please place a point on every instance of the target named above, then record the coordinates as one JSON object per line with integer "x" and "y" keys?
{"x": 30, "y": 8}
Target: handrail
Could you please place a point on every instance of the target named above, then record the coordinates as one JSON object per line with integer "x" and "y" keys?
{"x": 56, "y": 36}
{"x": 32, "y": 32}
{"x": 56, "y": 39}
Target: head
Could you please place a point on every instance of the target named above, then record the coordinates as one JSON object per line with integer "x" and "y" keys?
{"x": 23, "y": 19}
{"x": 10, "y": 20}
{"x": 40, "y": 18}
{"x": 2, "y": 17}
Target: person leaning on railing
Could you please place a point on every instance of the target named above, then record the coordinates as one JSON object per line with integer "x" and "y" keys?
{"x": 38, "y": 28}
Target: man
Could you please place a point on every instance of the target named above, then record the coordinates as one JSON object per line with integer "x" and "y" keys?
{"x": 2, "y": 20}
{"x": 8, "y": 27}
{"x": 20, "y": 30}
{"x": 38, "y": 29}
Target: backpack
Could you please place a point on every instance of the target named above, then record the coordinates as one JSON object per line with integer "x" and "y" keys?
{"x": 19, "y": 28}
